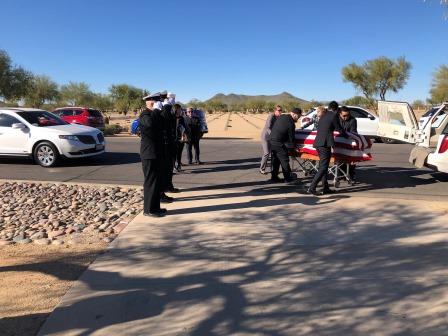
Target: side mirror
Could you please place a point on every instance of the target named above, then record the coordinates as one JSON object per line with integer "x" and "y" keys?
{"x": 371, "y": 117}
{"x": 19, "y": 126}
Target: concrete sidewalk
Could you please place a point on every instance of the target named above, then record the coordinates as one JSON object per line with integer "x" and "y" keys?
{"x": 268, "y": 262}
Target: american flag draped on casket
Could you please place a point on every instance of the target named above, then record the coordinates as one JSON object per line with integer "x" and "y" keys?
{"x": 354, "y": 149}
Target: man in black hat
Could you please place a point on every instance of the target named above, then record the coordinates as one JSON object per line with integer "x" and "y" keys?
{"x": 151, "y": 153}
{"x": 282, "y": 139}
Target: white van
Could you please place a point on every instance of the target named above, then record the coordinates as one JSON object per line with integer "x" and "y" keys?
{"x": 397, "y": 121}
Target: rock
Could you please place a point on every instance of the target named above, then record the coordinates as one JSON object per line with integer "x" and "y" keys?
{"x": 38, "y": 235}
{"x": 54, "y": 234}
{"x": 108, "y": 240}
{"x": 5, "y": 242}
{"x": 69, "y": 230}
{"x": 23, "y": 241}
{"x": 79, "y": 227}
{"x": 57, "y": 242}
{"x": 102, "y": 207}
{"x": 18, "y": 237}
{"x": 103, "y": 227}
{"x": 43, "y": 241}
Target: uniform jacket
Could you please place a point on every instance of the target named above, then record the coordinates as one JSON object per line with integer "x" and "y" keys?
{"x": 151, "y": 124}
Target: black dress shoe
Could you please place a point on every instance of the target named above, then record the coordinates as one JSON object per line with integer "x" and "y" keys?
{"x": 312, "y": 192}
{"x": 166, "y": 199}
{"x": 173, "y": 190}
{"x": 275, "y": 179}
{"x": 199, "y": 162}
{"x": 327, "y": 191}
{"x": 154, "y": 214}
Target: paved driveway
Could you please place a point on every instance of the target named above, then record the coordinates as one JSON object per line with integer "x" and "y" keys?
{"x": 234, "y": 164}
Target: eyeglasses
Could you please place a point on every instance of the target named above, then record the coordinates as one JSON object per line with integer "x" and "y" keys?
{"x": 279, "y": 110}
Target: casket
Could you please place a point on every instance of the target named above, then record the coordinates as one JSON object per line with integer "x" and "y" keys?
{"x": 354, "y": 149}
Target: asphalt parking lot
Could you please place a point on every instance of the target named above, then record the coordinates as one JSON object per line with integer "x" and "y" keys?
{"x": 232, "y": 163}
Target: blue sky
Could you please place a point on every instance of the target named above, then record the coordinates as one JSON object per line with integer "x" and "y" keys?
{"x": 198, "y": 48}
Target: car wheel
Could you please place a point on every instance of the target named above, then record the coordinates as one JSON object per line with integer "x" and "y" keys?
{"x": 388, "y": 141}
{"x": 46, "y": 154}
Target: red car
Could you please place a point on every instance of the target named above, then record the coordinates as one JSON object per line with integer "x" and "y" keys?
{"x": 81, "y": 115}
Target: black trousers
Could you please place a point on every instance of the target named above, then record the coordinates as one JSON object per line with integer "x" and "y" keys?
{"x": 280, "y": 157}
{"x": 167, "y": 168}
{"x": 193, "y": 143}
{"x": 179, "y": 150}
{"x": 151, "y": 185}
{"x": 324, "y": 163}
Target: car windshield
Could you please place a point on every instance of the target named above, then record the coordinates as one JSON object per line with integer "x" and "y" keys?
{"x": 41, "y": 118}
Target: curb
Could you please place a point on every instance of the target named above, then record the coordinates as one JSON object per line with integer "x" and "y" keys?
{"x": 83, "y": 184}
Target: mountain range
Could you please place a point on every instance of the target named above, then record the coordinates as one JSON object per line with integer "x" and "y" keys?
{"x": 233, "y": 98}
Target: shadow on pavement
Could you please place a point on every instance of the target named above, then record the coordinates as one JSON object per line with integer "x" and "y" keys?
{"x": 343, "y": 273}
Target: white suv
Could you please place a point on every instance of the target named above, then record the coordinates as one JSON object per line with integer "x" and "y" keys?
{"x": 45, "y": 137}
{"x": 367, "y": 122}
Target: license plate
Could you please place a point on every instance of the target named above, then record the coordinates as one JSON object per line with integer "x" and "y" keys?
{"x": 99, "y": 147}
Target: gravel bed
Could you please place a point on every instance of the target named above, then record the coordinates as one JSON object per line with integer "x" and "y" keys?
{"x": 58, "y": 213}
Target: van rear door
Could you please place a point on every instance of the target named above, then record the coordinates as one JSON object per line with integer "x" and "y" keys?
{"x": 397, "y": 121}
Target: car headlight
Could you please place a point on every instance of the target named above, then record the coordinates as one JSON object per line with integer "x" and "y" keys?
{"x": 69, "y": 137}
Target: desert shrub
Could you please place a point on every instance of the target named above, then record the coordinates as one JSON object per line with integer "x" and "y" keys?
{"x": 112, "y": 129}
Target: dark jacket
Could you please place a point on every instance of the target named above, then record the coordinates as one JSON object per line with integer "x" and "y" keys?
{"x": 151, "y": 145}
{"x": 169, "y": 124}
{"x": 194, "y": 124}
{"x": 350, "y": 125}
{"x": 283, "y": 131}
{"x": 328, "y": 123}
{"x": 182, "y": 128}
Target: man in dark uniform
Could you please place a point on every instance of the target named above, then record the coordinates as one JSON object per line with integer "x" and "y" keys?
{"x": 151, "y": 153}
{"x": 282, "y": 139}
{"x": 169, "y": 135}
{"x": 328, "y": 123}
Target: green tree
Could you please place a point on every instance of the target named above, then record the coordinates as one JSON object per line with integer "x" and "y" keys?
{"x": 127, "y": 98}
{"x": 256, "y": 105}
{"x": 14, "y": 81}
{"x": 439, "y": 85}
{"x": 378, "y": 76}
{"x": 216, "y": 105}
{"x": 359, "y": 101}
{"x": 77, "y": 94}
{"x": 42, "y": 90}
{"x": 194, "y": 102}
{"x": 103, "y": 102}
{"x": 418, "y": 105}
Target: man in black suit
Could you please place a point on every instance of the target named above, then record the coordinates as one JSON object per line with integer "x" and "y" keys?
{"x": 328, "y": 123}
{"x": 151, "y": 153}
{"x": 282, "y": 139}
{"x": 349, "y": 124}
